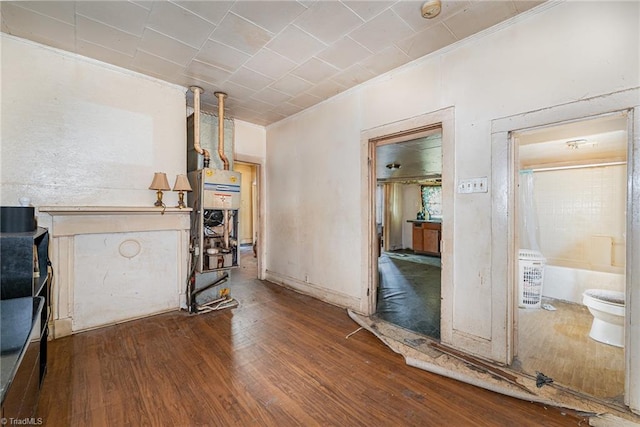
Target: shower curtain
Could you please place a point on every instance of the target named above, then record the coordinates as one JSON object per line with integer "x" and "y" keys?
{"x": 527, "y": 212}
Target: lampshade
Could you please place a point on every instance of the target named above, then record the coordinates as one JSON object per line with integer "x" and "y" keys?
{"x": 159, "y": 182}
{"x": 182, "y": 184}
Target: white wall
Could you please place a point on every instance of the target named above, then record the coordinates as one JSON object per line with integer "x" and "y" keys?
{"x": 249, "y": 142}
{"x": 550, "y": 56}
{"x": 76, "y": 131}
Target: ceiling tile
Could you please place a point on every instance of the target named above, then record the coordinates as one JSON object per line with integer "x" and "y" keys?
{"x": 103, "y": 54}
{"x": 156, "y": 66}
{"x": 221, "y": 56}
{"x": 344, "y": 53}
{"x": 427, "y": 41}
{"x": 235, "y": 91}
{"x": 256, "y": 105}
{"x": 206, "y": 72}
{"x": 142, "y": 3}
{"x": 524, "y": 5}
{"x": 368, "y": 9}
{"x": 386, "y": 60}
{"x": 314, "y": 70}
{"x": 286, "y": 108}
{"x": 328, "y": 21}
{"x": 380, "y": 32}
{"x": 295, "y": 44}
{"x": 212, "y": 11}
{"x": 241, "y": 34}
{"x": 291, "y": 84}
{"x": 106, "y": 36}
{"x": 270, "y": 15}
{"x": 174, "y": 21}
{"x": 166, "y": 47}
{"x": 127, "y": 17}
{"x": 60, "y": 10}
{"x": 249, "y": 115}
{"x": 326, "y": 89}
{"x": 479, "y": 16}
{"x": 248, "y": 78}
{"x": 33, "y": 26}
{"x": 305, "y": 100}
{"x": 262, "y": 52}
{"x": 270, "y": 64}
{"x": 353, "y": 76}
{"x": 272, "y": 116}
{"x": 410, "y": 12}
{"x": 271, "y": 96}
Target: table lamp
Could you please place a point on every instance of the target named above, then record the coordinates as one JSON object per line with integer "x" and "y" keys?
{"x": 181, "y": 185}
{"x": 159, "y": 184}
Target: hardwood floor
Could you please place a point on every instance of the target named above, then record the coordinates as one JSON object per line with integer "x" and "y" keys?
{"x": 279, "y": 359}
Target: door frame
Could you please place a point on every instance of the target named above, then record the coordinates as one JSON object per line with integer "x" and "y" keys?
{"x": 505, "y": 169}
{"x": 400, "y": 131}
{"x": 259, "y": 211}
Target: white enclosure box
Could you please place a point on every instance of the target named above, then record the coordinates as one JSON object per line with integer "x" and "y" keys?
{"x": 530, "y": 278}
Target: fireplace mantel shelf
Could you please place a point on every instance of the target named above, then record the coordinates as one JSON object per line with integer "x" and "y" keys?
{"x": 110, "y": 210}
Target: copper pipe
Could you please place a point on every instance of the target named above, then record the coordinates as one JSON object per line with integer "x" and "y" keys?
{"x": 227, "y": 227}
{"x": 225, "y": 161}
{"x": 196, "y": 125}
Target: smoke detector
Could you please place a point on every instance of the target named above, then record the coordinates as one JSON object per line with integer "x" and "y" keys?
{"x": 431, "y": 9}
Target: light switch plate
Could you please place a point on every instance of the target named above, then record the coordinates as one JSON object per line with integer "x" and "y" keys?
{"x": 473, "y": 185}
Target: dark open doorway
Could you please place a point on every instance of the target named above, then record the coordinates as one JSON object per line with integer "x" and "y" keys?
{"x": 409, "y": 219}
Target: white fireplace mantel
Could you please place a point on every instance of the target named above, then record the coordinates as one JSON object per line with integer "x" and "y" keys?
{"x": 112, "y": 264}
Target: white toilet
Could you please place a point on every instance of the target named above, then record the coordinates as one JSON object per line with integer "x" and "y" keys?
{"x": 607, "y": 308}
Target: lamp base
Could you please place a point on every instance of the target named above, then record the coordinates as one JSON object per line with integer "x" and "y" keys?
{"x": 159, "y": 202}
{"x": 181, "y": 203}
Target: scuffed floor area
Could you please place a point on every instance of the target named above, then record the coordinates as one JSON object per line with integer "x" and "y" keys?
{"x": 409, "y": 291}
{"x": 422, "y": 352}
{"x": 557, "y": 343}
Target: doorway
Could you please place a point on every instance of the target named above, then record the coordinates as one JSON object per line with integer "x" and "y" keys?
{"x": 409, "y": 223}
{"x": 248, "y": 221}
{"x": 571, "y": 205}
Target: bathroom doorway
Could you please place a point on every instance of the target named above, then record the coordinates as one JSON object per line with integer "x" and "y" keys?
{"x": 570, "y": 238}
{"x": 409, "y": 221}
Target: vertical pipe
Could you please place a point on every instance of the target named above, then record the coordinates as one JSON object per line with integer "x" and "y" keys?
{"x": 225, "y": 161}
{"x": 196, "y": 124}
{"x": 227, "y": 226}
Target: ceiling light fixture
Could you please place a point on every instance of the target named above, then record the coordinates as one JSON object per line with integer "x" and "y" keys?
{"x": 393, "y": 166}
{"x": 431, "y": 9}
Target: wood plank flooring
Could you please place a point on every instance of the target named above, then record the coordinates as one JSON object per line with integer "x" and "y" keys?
{"x": 279, "y": 359}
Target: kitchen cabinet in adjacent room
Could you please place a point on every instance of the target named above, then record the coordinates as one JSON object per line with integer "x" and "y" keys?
{"x": 426, "y": 236}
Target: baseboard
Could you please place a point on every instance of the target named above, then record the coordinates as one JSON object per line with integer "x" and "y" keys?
{"x": 62, "y": 327}
{"x": 323, "y": 294}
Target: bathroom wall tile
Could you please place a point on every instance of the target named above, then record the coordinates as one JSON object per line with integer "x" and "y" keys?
{"x": 574, "y": 205}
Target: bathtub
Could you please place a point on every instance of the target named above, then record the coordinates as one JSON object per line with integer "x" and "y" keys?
{"x": 568, "y": 284}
